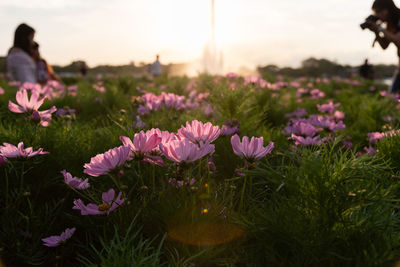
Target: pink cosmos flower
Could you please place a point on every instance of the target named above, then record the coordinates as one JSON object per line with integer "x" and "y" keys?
{"x": 25, "y": 104}
{"x": 14, "y": 83}
{"x": 171, "y": 100}
{"x": 383, "y": 93}
{"x": 387, "y": 118}
{"x": 308, "y": 141}
{"x": 30, "y": 87}
{"x": 108, "y": 161}
{"x": 72, "y": 88}
{"x": 32, "y": 105}
{"x": 317, "y": 94}
{"x": 231, "y": 75}
{"x": 11, "y": 151}
{"x": 185, "y": 151}
{"x": 142, "y": 142}
{"x": 338, "y": 115}
{"x": 1, "y": 91}
{"x": 327, "y": 122}
{"x": 164, "y": 135}
{"x": 300, "y": 127}
{"x": 55, "y": 240}
{"x": 263, "y": 83}
{"x": 75, "y": 182}
{"x": 109, "y": 204}
{"x": 329, "y": 108}
{"x": 197, "y": 132}
{"x": 295, "y": 84}
{"x": 45, "y": 116}
{"x": 251, "y": 79}
{"x": 375, "y": 136}
{"x": 252, "y": 150}
{"x": 99, "y": 87}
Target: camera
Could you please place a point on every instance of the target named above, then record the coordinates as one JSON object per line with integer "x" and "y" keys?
{"x": 370, "y": 18}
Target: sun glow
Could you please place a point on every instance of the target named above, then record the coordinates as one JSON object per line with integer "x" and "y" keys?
{"x": 183, "y": 28}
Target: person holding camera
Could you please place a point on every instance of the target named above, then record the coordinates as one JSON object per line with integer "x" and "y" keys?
{"x": 388, "y": 14}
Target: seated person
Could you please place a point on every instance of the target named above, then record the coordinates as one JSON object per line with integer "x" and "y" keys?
{"x": 44, "y": 71}
{"x": 20, "y": 65}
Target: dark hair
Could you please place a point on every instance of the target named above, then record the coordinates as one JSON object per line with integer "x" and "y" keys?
{"x": 394, "y": 11}
{"x": 21, "y": 39}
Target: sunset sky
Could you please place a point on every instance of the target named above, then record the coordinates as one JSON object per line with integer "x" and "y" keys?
{"x": 248, "y": 32}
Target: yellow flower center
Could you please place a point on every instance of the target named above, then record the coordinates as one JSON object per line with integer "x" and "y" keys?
{"x": 103, "y": 207}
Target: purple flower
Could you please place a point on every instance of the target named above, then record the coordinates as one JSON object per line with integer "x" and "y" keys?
{"x": 308, "y": 141}
{"x": 142, "y": 142}
{"x": 338, "y": 115}
{"x": 327, "y": 122}
{"x": 298, "y": 113}
{"x": 375, "y": 136}
{"x": 25, "y": 104}
{"x": 251, "y": 79}
{"x": 99, "y": 87}
{"x": 231, "y": 127}
{"x": 231, "y": 75}
{"x": 3, "y": 160}
{"x": 138, "y": 124}
{"x": 370, "y": 150}
{"x": 329, "y": 108}
{"x": 300, "y": 127}
{"x": 11, "y": 151}
{"x": 300, "y": 92}
{"x": 252, "y": 150}
{"x": 317, "y": 94}
{"x": 56, "y": 240}
{"x": 185, "y": 151}
{"x": 64, "y": 112}
{"x": 180, "y": 183}
{"x": 109, "y": 204}
{"x": 75, "y": 182}
{"x": 109, "y": 160}
{"x": 197, "y": 132}
{"x": 347, "y": 143}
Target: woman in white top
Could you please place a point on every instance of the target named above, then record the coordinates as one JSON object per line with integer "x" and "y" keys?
{"x": 20, "y": 64}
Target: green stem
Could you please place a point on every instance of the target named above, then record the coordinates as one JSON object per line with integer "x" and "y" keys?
{"x": 140, "y": 173}
{"x": 201, "y": 177}
{"x": 5, "y": 171}
{"x": 242, "y": 194}
{"x": 154, "y": 178}
{"x": 116, "y": 181}
{"x": 21, "y": 183}
{"x": 30, "y": 205}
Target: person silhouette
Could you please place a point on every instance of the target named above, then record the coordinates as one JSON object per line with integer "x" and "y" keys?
{"x": 387, "y": 32}
{"x": 20, "y": 64}
{"x": 156, "y": 67}
{"x": 366, "y": 71}
{"x": 45, "y": 71}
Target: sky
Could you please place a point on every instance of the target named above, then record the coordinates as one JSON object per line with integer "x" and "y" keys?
{"x": 248, "y": 32}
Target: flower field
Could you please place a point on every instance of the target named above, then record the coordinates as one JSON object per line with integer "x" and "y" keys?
{"x": 205, "y": 171}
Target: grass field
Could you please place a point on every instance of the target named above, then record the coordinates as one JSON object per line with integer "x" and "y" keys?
{"x": 326, "y": 195}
